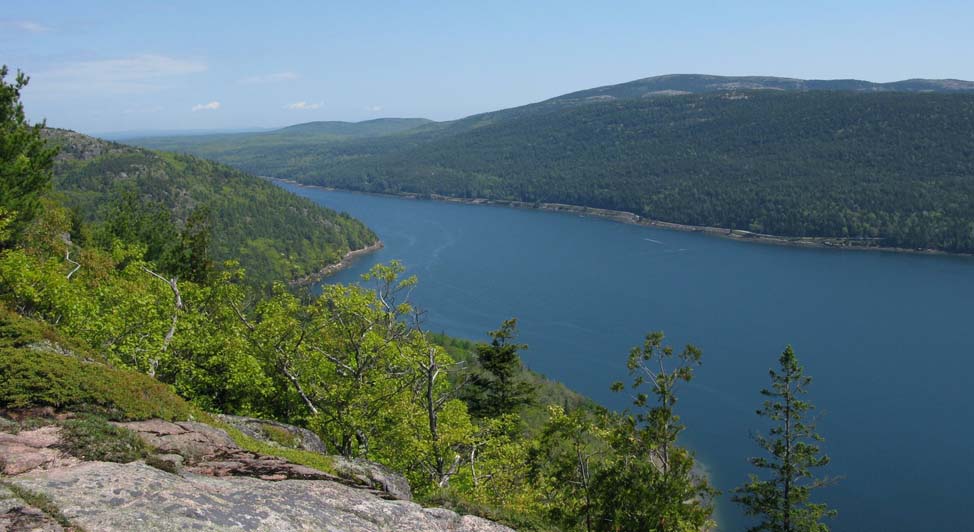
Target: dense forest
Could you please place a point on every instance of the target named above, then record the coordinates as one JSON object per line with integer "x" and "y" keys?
{"x": 96, "y": 324}
{"x": 161, "y": 198}
{"x": 885, "y": 167}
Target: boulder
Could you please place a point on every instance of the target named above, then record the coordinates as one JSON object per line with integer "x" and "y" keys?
{"x": 259, "y": 429}
{"x": 31, "y": 449}
{"x": 109, "y": 496}
{"x": 373, "y": 475}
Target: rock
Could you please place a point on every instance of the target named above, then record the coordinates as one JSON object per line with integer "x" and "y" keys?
{"x": 110, "y": 496}
{"x": 31, "y": 449}
{"x": 210, "y": 451}
{"x": 373, "y": 475}
{"x": 18, "y": 516}
{"x": 259, "y": 429}
{"x": 191, "y": 440}
{"x": 170, "y": 463}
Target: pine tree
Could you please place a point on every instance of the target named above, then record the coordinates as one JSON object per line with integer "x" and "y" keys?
{"x": 26, "y": 160}
{"x": 498, "y": 389}
{"x": 782, "y": 501}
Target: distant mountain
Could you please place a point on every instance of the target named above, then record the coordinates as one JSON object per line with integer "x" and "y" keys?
{"x": 349, "y": 130}
{"x": 888, "y": 163}
{"x": 292, "y": 140}
{"x": 674, "y": 84}
{"x": 276, "y": 235}
{"x": 143, "y": 133}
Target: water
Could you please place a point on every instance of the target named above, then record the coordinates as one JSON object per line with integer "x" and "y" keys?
{"x": 888, "y": 338}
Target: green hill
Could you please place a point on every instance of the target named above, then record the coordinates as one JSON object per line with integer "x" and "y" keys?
{"x": 890, "y": 164}
{"x": 274, "y": 234}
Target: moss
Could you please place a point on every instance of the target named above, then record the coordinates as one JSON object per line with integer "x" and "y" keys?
{"x": 39, "y": 368}
{"x": 43, "y": 503}
{"x": 91, "y": 437}
{"x": 280, "y": 436}
{"x": 298, "y": 456}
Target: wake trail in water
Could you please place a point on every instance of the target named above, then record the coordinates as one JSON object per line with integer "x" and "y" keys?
{"x": 653, "y": 241}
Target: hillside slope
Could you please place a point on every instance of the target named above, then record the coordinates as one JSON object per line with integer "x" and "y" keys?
{"x": 274, "y": 234}
{"x": 882, "y": 163}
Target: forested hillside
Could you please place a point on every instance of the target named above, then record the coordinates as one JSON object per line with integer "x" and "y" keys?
{"x": 163, "y": 199}
{"x": 890, "y": 164}
{"x": 111, "y": 309}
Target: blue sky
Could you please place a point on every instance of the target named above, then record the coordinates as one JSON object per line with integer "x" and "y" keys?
{"x": 138, "y": 65}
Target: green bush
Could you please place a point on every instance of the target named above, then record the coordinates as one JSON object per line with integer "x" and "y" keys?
{"x": 38, "y": 368}
{"x": 93, "y": 438}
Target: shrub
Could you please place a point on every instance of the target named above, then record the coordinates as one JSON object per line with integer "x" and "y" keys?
{"x": 39, "y": 368}
{"x": 93, "y": 438}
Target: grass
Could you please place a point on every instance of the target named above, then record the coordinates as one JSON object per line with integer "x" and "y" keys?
{"x": 280, "y": 436}
{"x": 90, "y": 437}
{"x": 298, "y": 456}
{"x": 43, "y": 503}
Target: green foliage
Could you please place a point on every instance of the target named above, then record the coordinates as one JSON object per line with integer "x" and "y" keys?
{"x": 190, "y": 212}
{"x": 651, "y": 484}
{"x": 498, "y": 388}
{"x": 37, "y": 369}
{"x": 25, "y": 161}
{"x": 782, "y": 502}
{"x": 91, "y": 437}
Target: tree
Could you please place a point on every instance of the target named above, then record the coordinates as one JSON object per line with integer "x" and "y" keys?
{"x": 651, "y": 484}
{"x": 497, "y": 390}
{"x": 782, "y": 501}
{"x": 25, "y": 160}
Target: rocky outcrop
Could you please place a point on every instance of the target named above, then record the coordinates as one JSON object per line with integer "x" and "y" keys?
{"x": 31, "y": 449}
{"x": 106, "y": 496}
{"x": 16, "y": 515}
{"x": 201, "y": 480}
{"x": 210, "y": 451}
{"x": 206, "y": 450}
{"x": 373, "y": 475}
{"x": 262, "y": 429}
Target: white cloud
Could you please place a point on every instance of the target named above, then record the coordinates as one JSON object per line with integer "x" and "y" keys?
{"x": 135, "y": 74}
{"x": 373, "y": 108}
{"x": 25, "y": 25}
{"x": 212, "y": 106}
{"x": 276, "y": 77}
{"x": 304, "y": 106}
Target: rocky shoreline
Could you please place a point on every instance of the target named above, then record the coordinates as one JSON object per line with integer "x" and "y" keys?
{"x": 331, "y": 269}
{"x": 635, "y": 219}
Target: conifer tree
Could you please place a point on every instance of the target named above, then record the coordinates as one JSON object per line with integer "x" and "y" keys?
{"x": 25, "y": 160}
{"x": 498, "y": 390}
{"x": 782, "y": 502}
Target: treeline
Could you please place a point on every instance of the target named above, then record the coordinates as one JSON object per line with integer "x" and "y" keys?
{"x": 894, "y": 169}
{"x": 466, "y": 424}
{"x": 156, "y": 198}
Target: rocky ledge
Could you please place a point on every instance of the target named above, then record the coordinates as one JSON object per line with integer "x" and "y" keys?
{"x": 201, "y": 480}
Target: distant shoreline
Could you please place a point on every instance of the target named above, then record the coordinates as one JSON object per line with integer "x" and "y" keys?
{"x": 635, "y": 219}
{"x": 332, "y": 269}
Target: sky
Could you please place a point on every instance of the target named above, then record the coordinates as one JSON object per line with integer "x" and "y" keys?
{"x": 107, "y": 66}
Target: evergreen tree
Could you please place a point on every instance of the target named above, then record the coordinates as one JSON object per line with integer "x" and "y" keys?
{"x": 498, "y": 390}
{"x": 782, "y": 501}
{"x": 25, "y": 160}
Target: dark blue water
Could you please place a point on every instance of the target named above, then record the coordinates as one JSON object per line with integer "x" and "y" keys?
{"x": 888, "y": 338}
